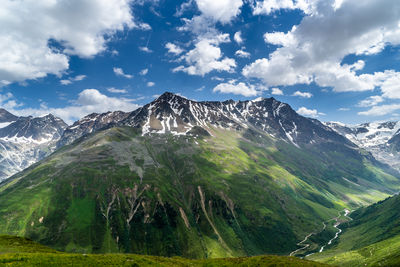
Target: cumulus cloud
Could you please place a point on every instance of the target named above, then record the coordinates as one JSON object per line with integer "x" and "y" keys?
{"x": 173, "y": 49}
{"x": 88, "y": 101}
{"x": 276, "y": 91}
{"x": 30, "y": 28}
{"x": 380, "y": 110}
{"x": 222, "y": 10}
{"x": 206, "y": 57}
{"x": 238, "y": 37}
{"x": 370, "y": 101}
{"x": 72, "y": 79}
{"x": 302, "y": 94}
{"x": 233, "y": 87}
{"x": 269, "y": 6}
{"x": 313, "y": 51}
{"x": 309, "y": 112}
{"x": 243, "y": 54}
{"x": 120, "y": 72}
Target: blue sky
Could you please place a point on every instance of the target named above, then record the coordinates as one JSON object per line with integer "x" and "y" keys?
{"x": 336, "y": 60}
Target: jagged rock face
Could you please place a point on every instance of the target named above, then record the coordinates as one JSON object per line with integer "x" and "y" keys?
{"x": 6, "y": 116}
{"x": 27, "y": 140}
{"x": 89, "y": 124}
{"x": 177, "y": 115}
{"x": 394, "y": 142}
{"x": 379, "y": 138}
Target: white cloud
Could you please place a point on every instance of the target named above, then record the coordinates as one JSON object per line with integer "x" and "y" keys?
{"x": 88, "y": 101}
{"x": 243, "y": 54}
{"x": 8, "y": 102}
{"x": 233, "y": 87}
{"x": 380, "y": 110}
{"x": 276, "y": 91}
{"x": 120, "y": 72}
{"x": 143, "y": 26}
{"x": 371, "y": 101}
{"x": 81, "y": 27}
{"x": 390, "y": 84}
{"x": 206, "y": 57}
{"x": 173, "y": 49}
{"x": 221, "y": 10}
{"x": 65, "y": 82}
{"x": 238, "y": 37}
{"x": 269, "y": 6}
{"x": 150, "y": 84}
{"x": 216, "y": 78}
{"x": 72, "y": 79}
{"x": 116, "y": 91}
{"x": 302, "y": 94}
{"x": 313, "y": 50}
{"x": 145, "y": 49}
{"x": 309, "y": 112}
{"x": 343, "y": 109}
{"x": 144, "y": 72}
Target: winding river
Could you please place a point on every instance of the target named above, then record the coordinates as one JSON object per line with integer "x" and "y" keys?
{"x": 336, "y": 225}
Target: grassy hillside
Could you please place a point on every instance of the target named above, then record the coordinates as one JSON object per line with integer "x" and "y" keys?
{"x": 17, "y": 251}
{"x": 384, "y": 253}
{"x": 230, "y": 194}
{"x": 371, "y": 238}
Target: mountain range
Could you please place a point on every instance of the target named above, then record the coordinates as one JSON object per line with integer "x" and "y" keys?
{"x": 382, "y": 139}
{"x": 195, "y": 179}
{"x": 26, "y": 140}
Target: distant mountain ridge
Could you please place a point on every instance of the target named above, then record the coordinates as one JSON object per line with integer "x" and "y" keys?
{"x": 25, "y": 140}
{"x": 382, "y": 139}
{"x": 6, "y": 116}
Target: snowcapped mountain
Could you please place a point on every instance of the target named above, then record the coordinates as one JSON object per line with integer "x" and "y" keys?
{"x": 171, "y": 113}
{"x": 25, "y": 140}
{"x": 379, "y": 138}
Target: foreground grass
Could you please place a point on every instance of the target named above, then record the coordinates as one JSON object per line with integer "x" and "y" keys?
{"x": 63, "y": 259}
{"x": 384, "y": 253}
{"x": 16, "y": 251}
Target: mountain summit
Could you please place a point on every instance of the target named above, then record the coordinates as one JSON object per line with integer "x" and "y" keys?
{"x": 177, "y": 115}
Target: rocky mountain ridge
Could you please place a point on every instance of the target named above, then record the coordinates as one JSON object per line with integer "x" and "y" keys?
{"x": 382, "y": 139}
{"x": 174, "y": 114}
{"x": 26, "y": 140}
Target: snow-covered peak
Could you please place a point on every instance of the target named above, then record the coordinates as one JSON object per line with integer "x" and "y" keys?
{"x": 367, "y": 134}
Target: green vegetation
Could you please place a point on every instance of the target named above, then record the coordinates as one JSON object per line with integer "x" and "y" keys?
{"x": 231, "y": 194}
{"x": 372, "y": 238}
{"x": 18, "y": 251}
{"x": 384, "y": 253}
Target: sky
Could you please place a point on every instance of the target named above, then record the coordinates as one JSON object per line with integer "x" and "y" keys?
{"x": 334, "y": 60}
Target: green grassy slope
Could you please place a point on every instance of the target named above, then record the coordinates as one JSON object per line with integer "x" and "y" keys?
{"x": 18, "y": 251}
{"x": 232, "y": 194}
{"x": 383, "y": 253}
{"x": 372, "y": 238}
